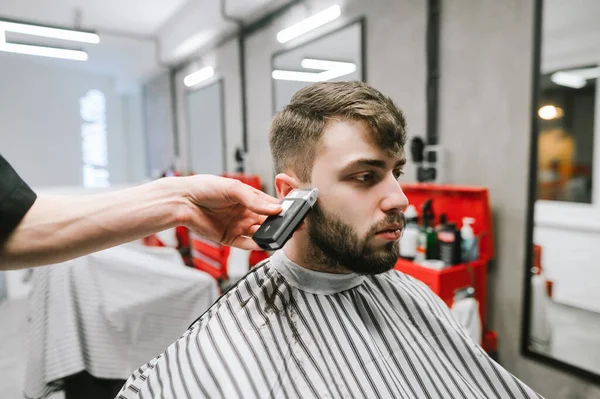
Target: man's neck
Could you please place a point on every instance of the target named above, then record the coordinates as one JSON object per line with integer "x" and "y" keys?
{"x": 299, "y": 250}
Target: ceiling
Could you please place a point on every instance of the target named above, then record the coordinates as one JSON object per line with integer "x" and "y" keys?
{"x": 129, "y": 29}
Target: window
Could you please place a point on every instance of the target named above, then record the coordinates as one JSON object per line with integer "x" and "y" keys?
{"x": 94, "y": 146}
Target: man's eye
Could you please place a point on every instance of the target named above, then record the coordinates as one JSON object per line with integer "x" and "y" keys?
{"x": 398, "y": 173}
{"x": 365, "y": 177}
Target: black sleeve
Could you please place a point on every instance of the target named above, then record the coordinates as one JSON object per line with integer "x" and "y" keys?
{"x": 15, "y": 199}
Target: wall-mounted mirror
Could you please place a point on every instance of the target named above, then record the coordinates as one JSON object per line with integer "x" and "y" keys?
{"x": 335, "y": 56}
{"x": 562, "y": 301}
{"x": 206, "y": 129}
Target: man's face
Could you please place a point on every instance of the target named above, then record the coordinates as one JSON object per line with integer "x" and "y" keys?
{"x": 357, "y": 220}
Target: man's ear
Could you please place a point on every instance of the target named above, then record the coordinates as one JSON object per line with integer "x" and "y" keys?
{"x": 284, "y": 183}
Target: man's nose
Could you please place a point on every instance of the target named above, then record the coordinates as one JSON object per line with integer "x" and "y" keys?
{"x": 395, "y": 199}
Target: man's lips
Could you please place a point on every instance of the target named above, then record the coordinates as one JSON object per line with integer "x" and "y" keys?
{"x": 392, "y": 232}
{"x": 391, "y": 228}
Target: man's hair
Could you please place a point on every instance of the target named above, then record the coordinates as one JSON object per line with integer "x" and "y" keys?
{"x": 296, "y": 130}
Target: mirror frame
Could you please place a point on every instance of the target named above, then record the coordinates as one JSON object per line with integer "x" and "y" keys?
{"x": 363, "y": 53}
{"x": 217, "y": 81}
{"x": 530, "y": 216}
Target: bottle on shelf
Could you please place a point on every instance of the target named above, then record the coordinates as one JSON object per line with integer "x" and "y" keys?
{"x": 449, "y": 244}
{"x": 408, "y": 242}
{"x": 470, "y": 244}
{"x": 426, "y": 240}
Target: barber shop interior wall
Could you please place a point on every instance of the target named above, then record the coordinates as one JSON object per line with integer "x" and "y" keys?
{"x": 40, "y": 121}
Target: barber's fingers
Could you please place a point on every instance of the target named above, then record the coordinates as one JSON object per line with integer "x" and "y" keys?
{"x": 254, "y": 199}
{"x": 251, "y": 230}
{"x": 247, "y": 243}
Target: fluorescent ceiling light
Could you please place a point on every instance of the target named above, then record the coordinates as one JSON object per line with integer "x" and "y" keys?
{"x": 324, "y": 65}
{"x": 55, "y": 33}
{"x": 198, "y": 76}
{"x": 331, "y": 70}
{"x": 575, "y": 78}
{"x": 76, "y": 55}
{"x": 309, "y": 24}
{"x": 568, "y": 79}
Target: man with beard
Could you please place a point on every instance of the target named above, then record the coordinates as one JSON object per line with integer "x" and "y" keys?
{"x": 327, "y": 316}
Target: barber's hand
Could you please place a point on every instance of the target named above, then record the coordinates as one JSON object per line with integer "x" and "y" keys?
{"x": 226, "y": 210}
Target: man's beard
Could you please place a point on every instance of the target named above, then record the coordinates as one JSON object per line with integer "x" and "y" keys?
{"x": 336, "y": 245}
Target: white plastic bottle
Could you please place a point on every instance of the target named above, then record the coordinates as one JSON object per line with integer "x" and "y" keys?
{"x": 540, "y": 333}
{"x": 470, "y": 246}
{"x": 466, "y": 311}
{"x": 408, "y": 242}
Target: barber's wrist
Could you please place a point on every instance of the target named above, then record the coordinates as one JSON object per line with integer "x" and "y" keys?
{"x": 177, "y": 197}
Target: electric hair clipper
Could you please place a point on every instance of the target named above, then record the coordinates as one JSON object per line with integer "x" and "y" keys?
{"x": 277, "y": 229}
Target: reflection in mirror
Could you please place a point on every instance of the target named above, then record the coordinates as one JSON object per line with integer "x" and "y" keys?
{"x": 564, "y": 290}
{"x": 206, "y": 129}
{"x": 335, "y": 56}
{"x": 566, "y": 134}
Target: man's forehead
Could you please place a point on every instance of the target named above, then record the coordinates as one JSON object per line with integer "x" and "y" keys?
{"x": 344, "y": 142}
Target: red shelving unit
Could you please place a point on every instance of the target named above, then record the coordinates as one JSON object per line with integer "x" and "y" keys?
{"x": 457, "y": 202}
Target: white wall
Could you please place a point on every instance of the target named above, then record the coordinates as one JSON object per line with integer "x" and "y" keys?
{"x": 40, "y": 121}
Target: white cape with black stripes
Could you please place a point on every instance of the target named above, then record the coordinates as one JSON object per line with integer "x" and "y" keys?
{"x": 288, "y": 332}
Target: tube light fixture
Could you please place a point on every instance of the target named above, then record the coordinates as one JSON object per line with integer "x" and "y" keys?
{"x": 330, "y": 70}
{"x": 198, "y": 76}
{"x": 324, "y": 65}
{"x": 54, "y": 33}
{"x": 568, "y": 79}
{"x": 308, "y": 24}
{"x": 76, "y": 55}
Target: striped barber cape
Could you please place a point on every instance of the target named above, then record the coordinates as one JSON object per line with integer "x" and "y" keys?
{"x": 288, "y": 332}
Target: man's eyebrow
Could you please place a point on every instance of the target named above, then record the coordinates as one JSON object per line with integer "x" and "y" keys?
{"x": 378, "y": 163}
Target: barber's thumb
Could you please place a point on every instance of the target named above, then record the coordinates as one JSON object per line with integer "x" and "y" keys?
{"x": 262, "y": 203}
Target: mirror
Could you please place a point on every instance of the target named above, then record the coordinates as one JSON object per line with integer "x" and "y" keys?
{"x": 335, "y": 56}
{"x": 206, "y": 129}
{"x": 562, "y": 301}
